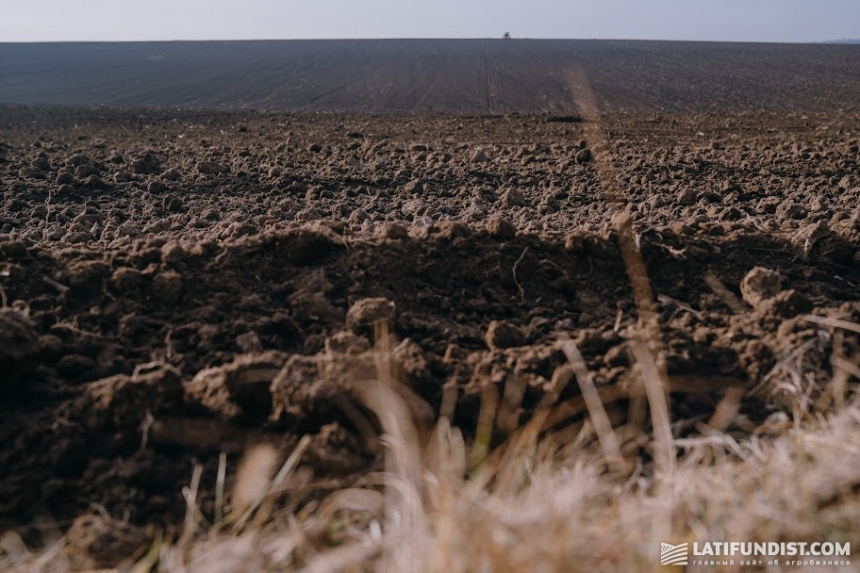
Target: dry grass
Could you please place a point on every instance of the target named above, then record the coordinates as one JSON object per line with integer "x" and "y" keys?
{"x": 539, "y": 502}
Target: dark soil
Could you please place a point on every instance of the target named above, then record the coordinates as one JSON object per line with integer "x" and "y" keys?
{"x": 476, "y": 76}
{"x": 180, "y": 284}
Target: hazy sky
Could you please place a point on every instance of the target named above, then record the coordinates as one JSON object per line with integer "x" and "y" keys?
{"x": 747, "y": 20}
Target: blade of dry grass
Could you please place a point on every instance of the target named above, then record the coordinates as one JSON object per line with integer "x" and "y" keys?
{"x": 252, "y": 481}
{"x": 727, "y": 408}
{"x": 602, "y": 425}
{"x": 147, "y": 563}
{"x": 832, "y": 322}
{"x": 219, "y": 488}
{"x": 720, "y": 289}
{"x": 258, "y": 485}
{"x": 664, "y": 447}
{"x": 484, "y": 429}
{"x": 664, "y": 458}
{"x": 193, "y": 517}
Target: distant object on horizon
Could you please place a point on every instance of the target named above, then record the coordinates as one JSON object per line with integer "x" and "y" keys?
{"x": 844, "y": 41}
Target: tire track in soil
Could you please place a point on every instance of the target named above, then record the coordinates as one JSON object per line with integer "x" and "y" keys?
{"x": 352, "y": 82}
{"x": 496, "y": 96}
{"x": 485, "y": 56}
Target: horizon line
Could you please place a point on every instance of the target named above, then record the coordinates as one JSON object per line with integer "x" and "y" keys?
{"x": 430, "y": 38}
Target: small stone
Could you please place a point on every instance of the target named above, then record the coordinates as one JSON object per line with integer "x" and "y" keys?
{"x": 41, "y": 163}
{"x": 449, "y": 229}
{"x": 854, "y": 220}
{"x": 87, "y": 276}
{"x": 346, "y": 342}
{"x": 156, "y": 186}
{"x": 32, "y": 173}
{"x": 849, "y": 182}
{"x": 66, "y": 178}
{"x": 513, "y": 198}
{"x": 412, "y": 361}
{"x": 479, "y": 156}
{"x": 687, "y": 196}
{"x": 808, "y": 236}
{"x": 84, "y": 171}
{"x": 501, "y": 227}
{"x": 790, "y": 210}
{"x": 171, "y": 175}
{"x": 364, "y": 313}
{"x": 78, "y": 160}
{"x": 211, "y": 168}
{"x": 583, "y": 156}
{"x": 95, "y": 182}
{"x": 575, "y": 243}
{"x": 126, "y": 279}
{"x": 123, "y": 176}
{"x": 77, "y": 237}
{"x": 172, "y": 204}
{"x": 423, "y": 221}
{"x": 759, "y": 285}
{"x": 249, "y": 342}
{"x": 147, "y": 164}
{"x": 395, "y": 231}
{"x": 13, "y": 249}
{"x": 414, "y": 186}
{"x": 172, "y": 253}
{"x": 786, "y": 304}
{"x": 16, "y": 206}
{"x": 503, "y": 334}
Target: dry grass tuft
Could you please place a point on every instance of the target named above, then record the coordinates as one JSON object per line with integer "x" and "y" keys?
{"x": 533, "y": 504}
{"x": 536, "y": 503}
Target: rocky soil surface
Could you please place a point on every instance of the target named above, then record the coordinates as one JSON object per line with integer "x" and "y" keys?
{"x": 178, "y": 284}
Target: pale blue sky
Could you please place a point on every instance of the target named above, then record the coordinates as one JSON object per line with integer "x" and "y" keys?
{"x": 728, "y": 20}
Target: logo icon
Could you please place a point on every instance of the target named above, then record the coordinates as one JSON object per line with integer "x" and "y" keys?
{"x": 673, "y": 554}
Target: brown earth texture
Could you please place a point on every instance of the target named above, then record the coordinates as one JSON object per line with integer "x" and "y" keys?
{"x": 177, "y": 284}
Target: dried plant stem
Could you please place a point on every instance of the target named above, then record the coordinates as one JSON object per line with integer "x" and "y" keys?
{"x": 602, "y": 425}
